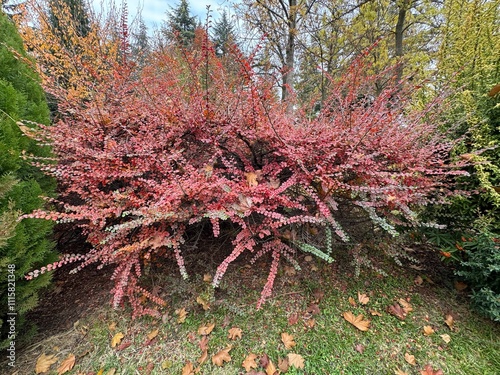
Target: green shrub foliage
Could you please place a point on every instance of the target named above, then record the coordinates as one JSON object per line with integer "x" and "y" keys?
{"x": 23, "y": 245}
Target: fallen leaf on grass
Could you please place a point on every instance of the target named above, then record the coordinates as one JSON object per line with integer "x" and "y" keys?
{"x": 428, "y": 370}
{"x": 287, "y": 339}
{"x": 207, "y": 278}
{"x": 446, "y": 338}
{"x": 352, "y": 302}
{"x": 203, "y": 344}
{"x": 449, "y": 321}
{"x": 264, "y": 360}
{"x": 203, "y": 357}
{"x": 410, "y": 359}
{"x": 406, "y": 306}
{"x": 188, "y": 369}
{"x": 204, "y": 304}
{"x": 375, "y": 313}
{"x": 221, "y": 357}
{"x": 153, "y": 334}
{"x": 397, "y": 311}
{"x": 460, "y": 286}
{"x": 117, "y": 338}
{"x": 293, "y": 319}
{"x": 234, "y": 333}
{"x": 44, "y": 362}
{"x": 290, "y": 271}
{"x": 310, "y": 323}
{"x": 357, "y": 321}
{"x": 205, "y": 330}
{"x": 359, "y": 348}
{"x": 428, "y": 330}
{"x": 313, "y": 309}
{"x": 363, "y": 298}
{"x": 67, "y": 364}
{"x": 111, "y": 371}
{"x": 283, "y": 364}
{"x": 270, "y": 369}
{"x": 182, "y": 314}
{"x": 418, "y": 280}
{"x": 249, "y": 362}
{"x": 166, "y": 364}
{"x": 112, "y": 326}
{"x": 295, "y": 360}
{"x": 308, "y": 258}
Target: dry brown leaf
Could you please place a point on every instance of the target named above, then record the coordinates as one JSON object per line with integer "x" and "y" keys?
{"x": 205, "y": 330}
{"x": 207, "y": 278}
{"x": 283, "y": 364}
{"x": 460, "y": 286}
{"x": 293, "y": 319}
{"x": 112, "y": 326}
{"x": 313, "y": 309}
{"x": 310, "y": 323}
{"x": 67, "y": 364}
{"x": 359, "y": 348}
{"x": 182, "y": 314}
{"x": 203, "y": 357}
{"x": 249, "y": 362}
{"x": 410, "y": 359}
{"x": 153, "y": 334}
{"x": 44, "y": 362}
{"x": 221, "y": 357}
{"x": 449, "y": 321}
{"x": 117, "y": 338}
{"x": 397, "y": 311}
{"x": 357, "y": 321}
{"x": 352, "y": 302}
{"x": 204, "y": 304}
{"x": 290, "y": 271}
{"x": 446, "y": 338}
{"x": 287, "y": 339}
{"x": 428, "y": 370}
{"x": 495, "y": 90}
{"x": 406, "y": 306}
{"x": 375, "y": 313}
{"x": 264, "y": 360}
{"x": 428, "y": 330}
{"x": 308, "y": 258}
{"x": 203, "y": 344}
{"x": 295, "y": 360}
{"x": 363, "y": 298}
{"x": 400, "y": 372}
{"x": 270, "y": 369}
{"x": 251, "y": 179}
{"x": 234, "y": 333}
{"x": 188, "y": 369}
{"x": 124, "y": 345}
{"x": 100, "y": 372}
{"x": 418, "y": 280}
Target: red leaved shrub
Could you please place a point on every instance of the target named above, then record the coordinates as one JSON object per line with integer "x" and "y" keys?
{"x": 189, "y": 138}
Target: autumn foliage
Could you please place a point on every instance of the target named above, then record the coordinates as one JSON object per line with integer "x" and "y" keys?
{"x": 146, "y": 154}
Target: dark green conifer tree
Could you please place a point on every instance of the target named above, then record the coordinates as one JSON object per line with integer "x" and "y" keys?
{"x": 24, "y": 245}
{"x": 223, "y": 34}
{"x": 181, "y": 25}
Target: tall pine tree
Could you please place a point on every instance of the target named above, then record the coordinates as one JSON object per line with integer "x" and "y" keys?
{"x": 223, "y": 34}
{"x": 181, "y": 25}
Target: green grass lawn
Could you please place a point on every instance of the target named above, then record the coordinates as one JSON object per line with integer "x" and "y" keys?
{"x": 308, "y": 305}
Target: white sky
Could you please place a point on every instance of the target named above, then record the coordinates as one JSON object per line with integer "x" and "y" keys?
{"x": 155, "y": 11}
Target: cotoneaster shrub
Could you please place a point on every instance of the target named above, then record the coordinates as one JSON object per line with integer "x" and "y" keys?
{"x": 150, "y": 153}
